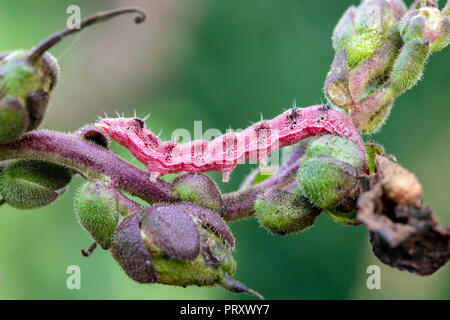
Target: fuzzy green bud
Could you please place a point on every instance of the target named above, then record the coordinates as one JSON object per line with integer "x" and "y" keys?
{"x": 426, "y": 23}
{"x": 198, "y": 188}
{"x": 28, "y": 82}
{"x": 13, "y": 120}
{"x": 366, "y": 41}
{"x": 362, "y": 30}
{"x": 408, "y": 66}
{"x": 97, "y": 209}
{"x": 283, "y": 212}
{"x": 28, "y": 184}
{"x": 338, "y": 148}
{"x": 176, "y": 244}
{"x": 328, "y": 182}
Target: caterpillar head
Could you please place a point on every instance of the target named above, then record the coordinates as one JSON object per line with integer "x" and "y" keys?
{"x": 122, "y": 130}
{"x": 129, "y": 132}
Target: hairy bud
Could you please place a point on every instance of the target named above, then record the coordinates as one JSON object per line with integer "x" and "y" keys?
{"x": 28, "y": 184}
{"x": 366, "y": 41}
{"x": 198, "y": 188}
{"x": 408, "y": 67}
{"x": 97, "y": 209}
{"x": 426, "y": 23}
{"x": 282, "y": 212}
{"x": 361, "y": 30}
{"x": 328, "y": 182}
{"x": 13, "y": 120}
{"x": 29, "y": 84}
{"x": 381, "y": 50}
{"x": 176, "y": 244}
{"x": 338, "y": 148}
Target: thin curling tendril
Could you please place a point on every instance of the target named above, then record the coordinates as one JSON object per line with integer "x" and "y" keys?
{"x": 46, "y": 44}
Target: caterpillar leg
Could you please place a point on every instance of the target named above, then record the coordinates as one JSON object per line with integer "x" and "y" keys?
{"x": 263, "y": 163}
{"x": 226, "y": 175}
{"x": 154, "y": 175}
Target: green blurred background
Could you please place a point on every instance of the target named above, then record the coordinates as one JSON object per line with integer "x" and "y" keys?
{"x": 222, "y": 62}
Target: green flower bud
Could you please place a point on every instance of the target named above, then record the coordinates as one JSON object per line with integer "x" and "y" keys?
{"x": 328, "y": 182}
{"x": 408, "y": 66}
{"x": 282, "y": 212}
{"x": 366, "y": 41}
{"x": 176, "y": 244}
{"x": 411, "y": 26}
{"x": 362, "y": 30}
{"x": 198, "y": 188}
{"x": 338, "y": 148}
{"x": 97, "y": 209}
{"x": 426, "y": 23}
{"x": 29, "y": 83}
{"x": 28, "y": 184}
{"x": 13, "y": 120}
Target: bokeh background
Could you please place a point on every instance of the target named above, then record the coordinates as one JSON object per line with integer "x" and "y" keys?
{"x": 222, "y": 62}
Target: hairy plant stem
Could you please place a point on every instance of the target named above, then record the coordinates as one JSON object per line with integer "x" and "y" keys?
{"x": 88, "y": 159}
{"x": 239, "y": 204}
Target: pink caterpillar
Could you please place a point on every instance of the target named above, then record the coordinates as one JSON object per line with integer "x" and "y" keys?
{"x": 224, "y": 153}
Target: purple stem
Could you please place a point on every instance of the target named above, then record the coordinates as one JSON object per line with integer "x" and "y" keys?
{"x": 89, "y": 160}
{"x": 292, "y": 186}
{"x": 239, "y": 204}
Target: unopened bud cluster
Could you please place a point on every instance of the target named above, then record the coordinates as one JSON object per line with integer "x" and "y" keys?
{"x": 181, "y": 244}
{"x": 381, "y": 49}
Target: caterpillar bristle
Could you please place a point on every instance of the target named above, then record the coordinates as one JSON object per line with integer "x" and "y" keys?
{"x": 146, "y": 117}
